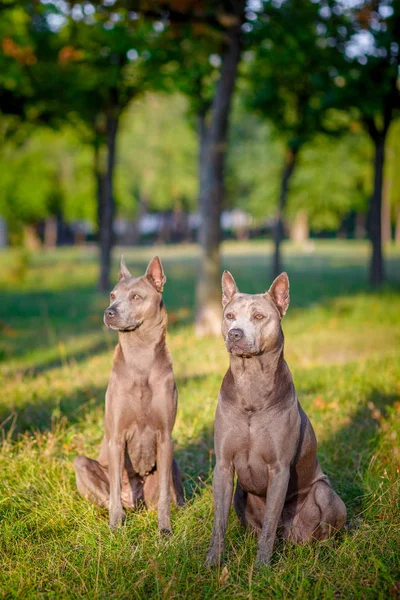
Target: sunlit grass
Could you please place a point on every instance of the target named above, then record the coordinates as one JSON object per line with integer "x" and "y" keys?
{"x": 342, "y": 344}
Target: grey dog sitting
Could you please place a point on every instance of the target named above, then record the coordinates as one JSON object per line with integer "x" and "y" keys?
{"x": 263, "y": 434}
{"x": 136, "y": 464}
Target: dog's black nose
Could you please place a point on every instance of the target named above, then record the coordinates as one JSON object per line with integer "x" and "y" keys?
{"x": 235, "y": 335}
{"x": 110, "y": 313}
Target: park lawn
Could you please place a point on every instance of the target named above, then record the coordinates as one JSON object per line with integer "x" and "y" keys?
{"x": 342, "y": 345}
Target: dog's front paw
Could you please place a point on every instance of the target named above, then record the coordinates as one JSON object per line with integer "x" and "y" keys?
{"x": 263, "y": 557}
{"x": 117, "y": 517}
{"x": 164, "y": 525}
{"x": 213, "y": 558}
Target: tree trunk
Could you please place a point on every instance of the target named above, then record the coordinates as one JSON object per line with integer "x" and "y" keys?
{"x": 3, "y": 233}
{"x": 104, "y": 169}
{"x": 386, "y": 215}
{"x": 377, "y": 274}
{"x": 50, "y": 232}
{"x": 134, "y": 235}
{"x": 213, "y": 142}
{"x": 300, "y": 230}
{"x": 397, "y": 231}
{"x": 360, "y": 226}
{"x": 31, "y": 238}
{"x": 79, "y": 235}
{"x": 278, "y": 231}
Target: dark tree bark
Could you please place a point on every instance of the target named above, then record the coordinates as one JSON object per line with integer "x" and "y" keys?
{"x": 397, "y": 227}
{"x": 213, "y": 142}
{"x": 378, "y": 136}
{"x": 279, "y": 231}
{"x": 104, "y": 159}
{"x": 203, "y": 132}
{"x": 386, "y": 214}
{"x": 50, "y": 232}
{"x": 377, "y": 272}
{"x": 360, "y": 226}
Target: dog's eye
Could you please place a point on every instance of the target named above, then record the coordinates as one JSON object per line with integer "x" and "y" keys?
{"x": 259, "y": 317}
{"x": 229, "y": 316}
{"x": 136, "y": 297}
{"x": 112, "y": 296}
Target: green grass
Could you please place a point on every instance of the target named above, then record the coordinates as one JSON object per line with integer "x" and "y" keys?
{"x": 342, "y": 345}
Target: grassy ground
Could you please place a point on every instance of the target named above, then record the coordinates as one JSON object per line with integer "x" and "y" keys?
{"x": 342, "y": 344}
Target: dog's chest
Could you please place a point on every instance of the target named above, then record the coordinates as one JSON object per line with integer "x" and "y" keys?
{"x": 141, "y": 450}
{"x": 133, "y": 416}
{"x": 130, "y": 404}
{"x": 251, "y": 454}
{"x": 251, "y": 394}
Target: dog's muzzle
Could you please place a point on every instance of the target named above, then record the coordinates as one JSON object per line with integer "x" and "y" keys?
{"x": 109, "y": 316}
{"x": 111, "y": 319}
{"x": 237, "y": 343}
{"x": 234, "y": 335}
{"x": 109, "y": 313}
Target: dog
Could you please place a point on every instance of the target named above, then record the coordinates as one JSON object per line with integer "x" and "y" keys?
{"x": 263, "y": 435}
{"x": 136, "y": 465}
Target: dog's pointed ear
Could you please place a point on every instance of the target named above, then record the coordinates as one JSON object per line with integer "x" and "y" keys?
{"x": 123, "y": 270}
{"x": 279, "y": 292}
{"x": 229, "y": 287}
{"x": 155, "y": 274}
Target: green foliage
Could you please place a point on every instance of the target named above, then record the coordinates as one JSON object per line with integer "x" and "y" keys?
{"x": 254, "y": 164}
{"x": 55, "y": 67}
{"x": 288, "y": 70}
{"x": 26, "y": 185}
{"x": 334, "y": 177}
{"x": 342, "y": 347}
{"x": 193, "y": 64}
{"x": 369, "y": 76}
{"x": 157, "y": 160}
{"x": 290, "y": 77}
{"x": 16, "y": 55}
{"x": 157, "y": 156}
{"x": 48, "y": 174}
{"x": 392, "y": 173}
{"x": 106, "y": 62}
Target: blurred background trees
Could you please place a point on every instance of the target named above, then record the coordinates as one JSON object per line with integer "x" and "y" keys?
{"x": 289, "y": 85}
{"x": 369, "y": 85}
{"x": 138, "y": 122}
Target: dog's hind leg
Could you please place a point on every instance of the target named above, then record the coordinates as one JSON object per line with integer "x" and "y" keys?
{"x": 249, "y": 509}
{"x": 332, "y": 508}
{"x": 320, "y": 516}
{"x": 176, "y": 485}
{"x": 92, "y": 481}
{"x": 151, "y": 489}
{"x": 239, "y": 503}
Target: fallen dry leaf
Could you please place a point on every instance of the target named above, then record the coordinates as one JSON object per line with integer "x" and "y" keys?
{"x": 224, "y": 576}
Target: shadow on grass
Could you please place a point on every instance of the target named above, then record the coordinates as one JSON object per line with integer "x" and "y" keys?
{"x": 68, "y": 357}
{"x": 314, "y": 278}
{"x": 196, "y": 461}
{"x": 346, "y": 455}
{"x": 34, "y": 321}
{"x": 42, "y": 413}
